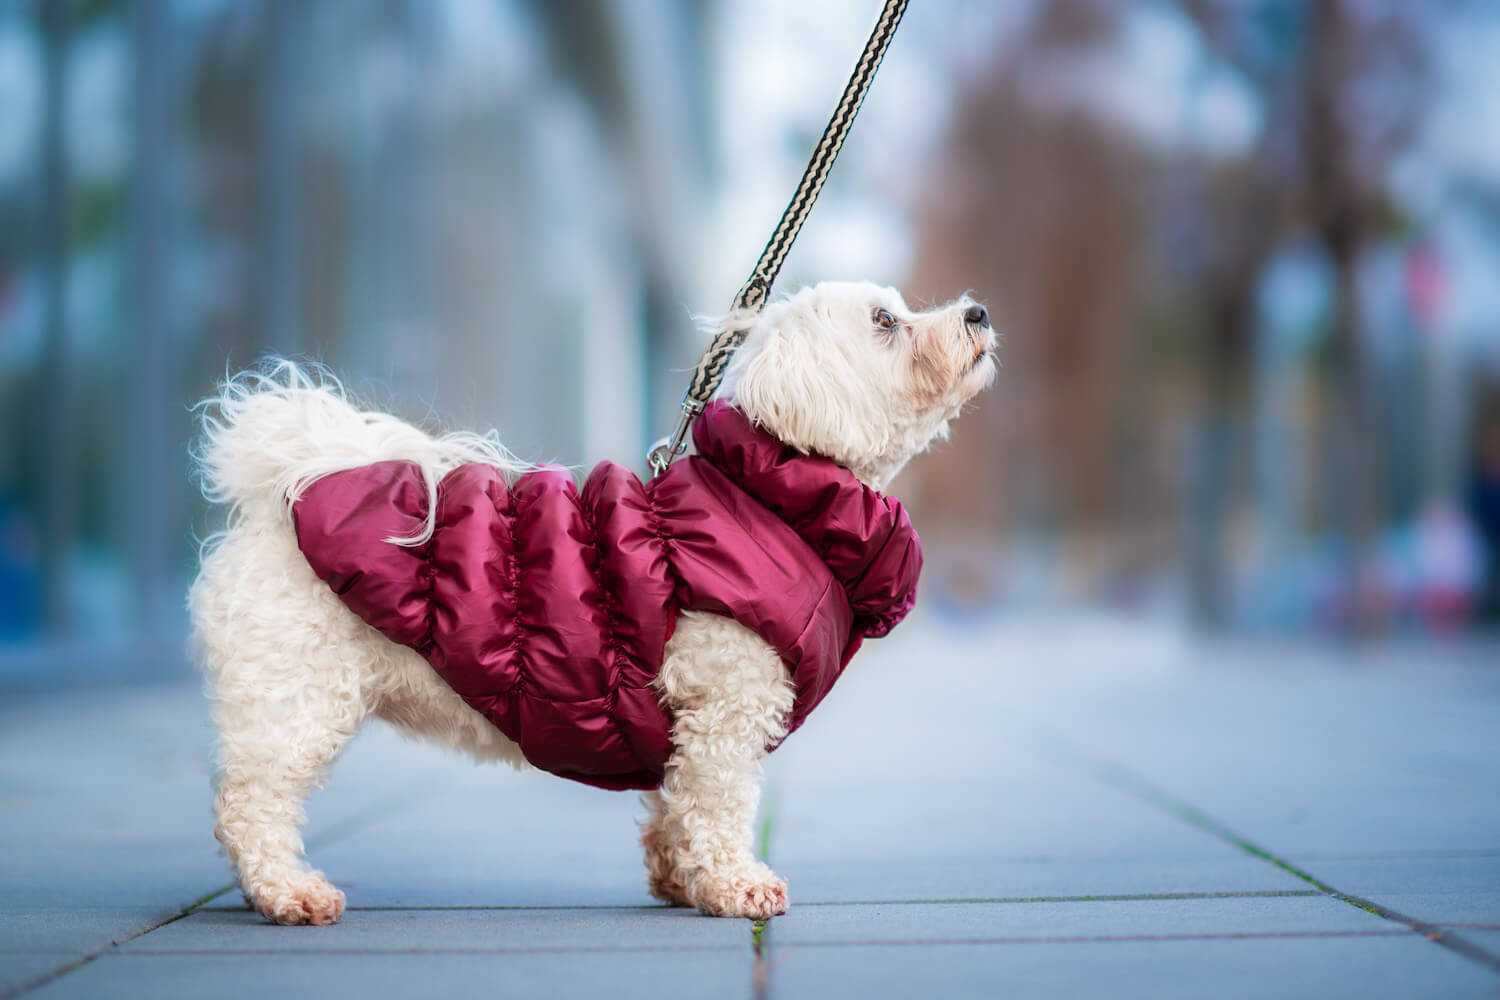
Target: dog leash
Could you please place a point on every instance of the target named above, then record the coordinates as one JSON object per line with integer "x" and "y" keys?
{"x": 756, "y": 291}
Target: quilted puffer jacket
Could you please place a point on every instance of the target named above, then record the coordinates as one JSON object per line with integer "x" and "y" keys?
{"x": 548, "y": 609}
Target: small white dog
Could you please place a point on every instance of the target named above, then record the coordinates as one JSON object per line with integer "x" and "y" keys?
{"x": 844, "y": 371}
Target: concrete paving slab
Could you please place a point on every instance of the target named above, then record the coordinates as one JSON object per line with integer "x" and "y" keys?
{"x": 461, "y": 796}
{"x": 137, "y": 767}
{"x": 19, "y": 968}
{"x": 76, "y": 930}
{"x": 629, "y": 929}
{"x": 888, "y": 768}
{"x": 1092, "y": 919}
{"x": 106, "y": 832}
{"x": 64, "y": 876}
{"x": 426, "y": 880}
{"x": 1317, "y": 968}
{"x": 421, "y": 886}
{"x": 1433, "y": 890}
{"x": 1300, "y": 748}
{"x": 945, "y": 766}
{"x": 980, "y": 877}
{"x": 483, "y": 835}
{"x": 103, "y": 765}
{"x": 661, "y": 975}
{"x": 1064, "y": 814}
{"x": 535, "y": 850}
{"x": 110, "y": 830}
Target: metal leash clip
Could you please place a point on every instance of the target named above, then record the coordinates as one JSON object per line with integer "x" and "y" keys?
{"x": 664, "y": 451}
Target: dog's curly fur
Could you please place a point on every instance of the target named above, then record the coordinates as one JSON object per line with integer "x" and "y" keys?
{"x": 843, "y": 370}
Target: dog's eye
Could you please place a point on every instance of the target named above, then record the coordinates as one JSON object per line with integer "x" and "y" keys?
{"x": 884, "y": 319}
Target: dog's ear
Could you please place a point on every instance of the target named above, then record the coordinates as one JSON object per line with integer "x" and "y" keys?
{"x": 774, "y": 391}
{"x": 810, "y": 399}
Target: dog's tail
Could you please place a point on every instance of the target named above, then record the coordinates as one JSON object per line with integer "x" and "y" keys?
{"x": 270, "y": 433}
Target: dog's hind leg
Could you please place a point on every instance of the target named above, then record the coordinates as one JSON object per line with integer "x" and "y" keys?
{"x": 275, "y": 748}
{"x": 288, "y": 675}
{"x": 274, "y": 752}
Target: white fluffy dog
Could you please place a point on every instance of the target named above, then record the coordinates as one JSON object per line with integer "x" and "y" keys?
{"x": 845, "y": 371}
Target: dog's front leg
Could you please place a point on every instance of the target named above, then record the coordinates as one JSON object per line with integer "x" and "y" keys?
{"x": 729, "y": 695}
{"x": 709, "y": 799}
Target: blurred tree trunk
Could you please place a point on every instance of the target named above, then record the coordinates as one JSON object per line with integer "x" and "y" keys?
{"x": 1351, "y": 446}
{"x": 1215, "y": 463}
{"x": 279, "y": 238}
{"x": 1237, "y": 220}
{"x": 58, "y": 422}
{"x": 1332, "y": 146}
{"x": 1350, "y": 434}
{"x": 152, "y": 509}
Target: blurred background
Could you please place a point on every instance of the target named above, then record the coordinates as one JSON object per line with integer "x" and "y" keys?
{"x": 1244, "y": 256}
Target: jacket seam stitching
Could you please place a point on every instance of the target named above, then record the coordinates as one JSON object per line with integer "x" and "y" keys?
{"x": 612, "y": 648}
{"x": 429, "y": 566}
{"x": 792, "y": 674}
{"x": 813, "y": 611}
{"x": 513, "y": 569}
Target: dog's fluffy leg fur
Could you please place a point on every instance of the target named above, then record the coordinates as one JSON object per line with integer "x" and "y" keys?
{"x": 730, "y": 694}
{"x": 661, "y": 856}
{"x": 291, "y": 670}
{"x": 290, "y": 691}
{"x": 285, "y": 708}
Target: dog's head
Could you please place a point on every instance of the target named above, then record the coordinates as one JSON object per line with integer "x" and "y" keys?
{"x": 848, "y": 371}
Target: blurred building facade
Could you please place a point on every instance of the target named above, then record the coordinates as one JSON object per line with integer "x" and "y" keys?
{"x": 1245, "y": 259}
{"x": 478, "y": 210}
{"x": 1247, "y": 264}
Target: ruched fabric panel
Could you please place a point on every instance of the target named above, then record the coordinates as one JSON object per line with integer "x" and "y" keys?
{"x": 548, "y": 610}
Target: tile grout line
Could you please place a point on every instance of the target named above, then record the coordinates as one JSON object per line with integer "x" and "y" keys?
{"x": 1122, "y": 778}
{"x": 90, "y": 956}
{"x": 1417, "y": 855}
{"x": 1096, "y": 938}
{"x": 516, "y": 950}
{"x": 1124, "y": 897}
{"x": 810, "y": 943}
{"x": 760, "y": 945}
{"x": 361, "y": 819}
{"x": 1116, "y": 897}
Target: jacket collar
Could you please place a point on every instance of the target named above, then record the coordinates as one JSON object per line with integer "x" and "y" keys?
{"x": 788, "y": 481}
{"x": 863, "y": 536}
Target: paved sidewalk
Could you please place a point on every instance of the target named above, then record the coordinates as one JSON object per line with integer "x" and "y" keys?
{"x": 1053, "y": 809}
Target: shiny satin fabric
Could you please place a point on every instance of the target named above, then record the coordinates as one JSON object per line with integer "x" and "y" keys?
{"x": 548, "y": 608}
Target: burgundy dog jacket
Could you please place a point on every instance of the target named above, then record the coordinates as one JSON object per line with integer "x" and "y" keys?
{"x": 548, "y": 609}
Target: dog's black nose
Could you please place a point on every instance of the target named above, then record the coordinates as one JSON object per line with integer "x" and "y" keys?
{"x": 977, "y": 315}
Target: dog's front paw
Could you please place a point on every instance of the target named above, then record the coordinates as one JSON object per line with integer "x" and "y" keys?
{"x": 755, "y": 894}
{"x": 309, "y": 899}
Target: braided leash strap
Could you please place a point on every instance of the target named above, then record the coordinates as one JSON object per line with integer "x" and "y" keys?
{"x": 756, "y": 291}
